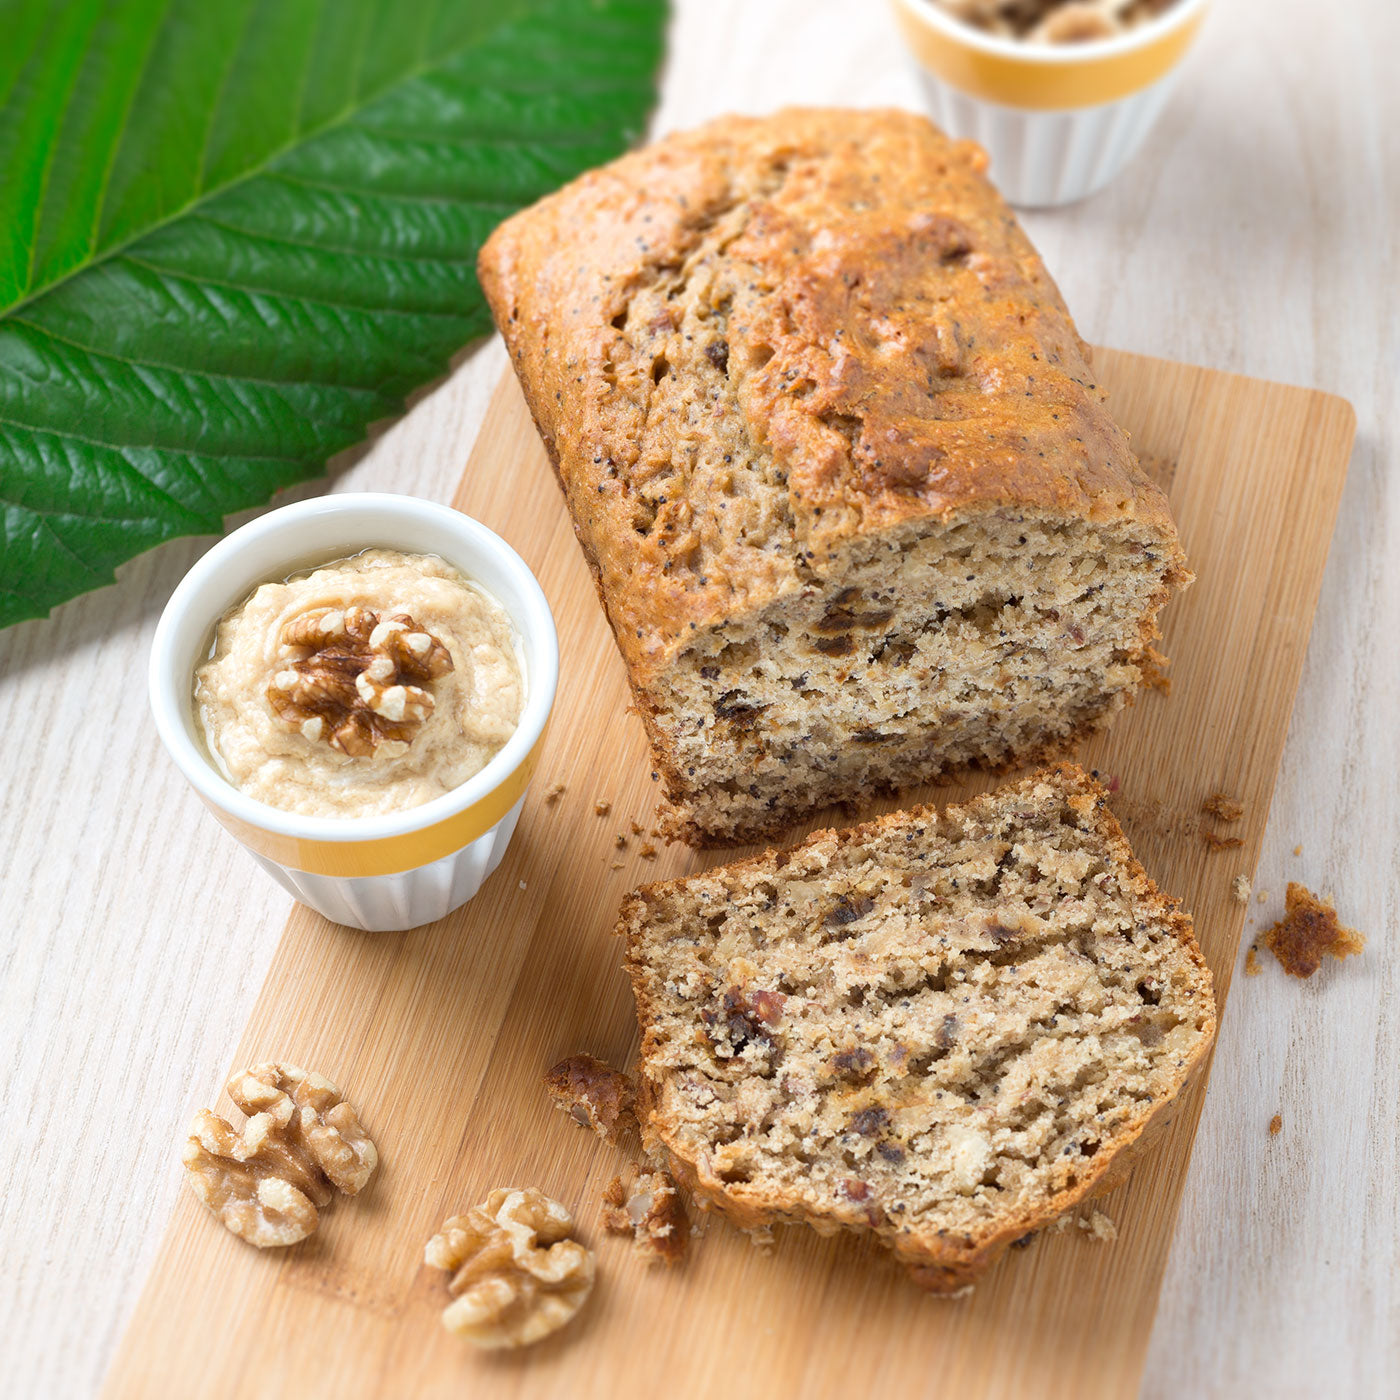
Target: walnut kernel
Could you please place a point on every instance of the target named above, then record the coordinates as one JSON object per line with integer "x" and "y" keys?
{"x": 301, "y": 1142}
{"x": 355, "y": 682}
{"x": 517, "y": 1275}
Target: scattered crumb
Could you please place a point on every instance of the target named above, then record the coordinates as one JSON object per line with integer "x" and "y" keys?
{"x": 966, "y": 1291}
{"x": 761, "y": 1237}
{"x": 648, "y": 852}
{"x": 1240, "y": 885}
{"x": 522, "y": 884}
{"x": 1308, "y": 930}
{"x": 1262, "y": 896}
{"x": 1252, "y": 967}
{"x": 638, "y": 829}
{"x": 1276, "y": 1125}
{"x": 601, "y": 808}
{"x": 616, "y": 865}
{"x": 1297, "y": 850}
{"x": 1220, "y": 843}
{"x": 651, "y": 1212}
{"x": 1062, "y": 1224}
{"x": 1153, "y": 675}
{"x": 620, "y": 841}
{"x": 554, "y": 794}
{"x": 593, "y": 1094}
{"x": 1099, "y": 1227}
{"x": 1225, "y": 807}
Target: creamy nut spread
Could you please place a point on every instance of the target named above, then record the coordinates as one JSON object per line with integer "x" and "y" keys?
{"x": 368, "y": 685}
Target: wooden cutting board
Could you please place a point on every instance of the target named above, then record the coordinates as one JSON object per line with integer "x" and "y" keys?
{"x": 439, "y": 1036}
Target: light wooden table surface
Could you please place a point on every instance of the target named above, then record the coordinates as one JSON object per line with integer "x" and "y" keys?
{"x": 1257, "y": 233}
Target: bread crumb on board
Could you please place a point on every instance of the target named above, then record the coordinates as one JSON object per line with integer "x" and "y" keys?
{"x": 637, "y": 828}
{"x": 601, "y": 808}
{"x": 1308, "y": 931}
{"x": 648, "y": 852}
{"x": 1262, "y": 897}
{"x": 1099, "y": 1227}
{"x": 1240, "y": 885}
{"x": 1216, "y": 842}
{"x": 1252, "y": 965}
{"x": 1276, "y": 1125}
{"x": 553, "y": 795}
{"x": 593, "y": 1094}
{"x": 1297, "y": 850}
{"x": 1221, "y": 805}
{"x": 651, "y": 1211}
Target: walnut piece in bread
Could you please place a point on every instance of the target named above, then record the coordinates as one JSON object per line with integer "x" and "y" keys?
{"x": 301, "y": 1143}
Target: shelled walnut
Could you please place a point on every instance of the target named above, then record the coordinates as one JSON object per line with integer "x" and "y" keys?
{"x": 355, "y": 682}
{"x": 301, "y": 1143}
{"x": 517, "y": 1275}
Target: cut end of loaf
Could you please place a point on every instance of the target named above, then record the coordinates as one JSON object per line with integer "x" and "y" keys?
{"x": 1002, "y": 639}
{"x": 939, "y": 1027}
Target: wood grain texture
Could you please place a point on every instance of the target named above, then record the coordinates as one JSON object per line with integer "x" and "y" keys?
{"x": 440, "y": 1036}
{"x": 1255, "y": 232}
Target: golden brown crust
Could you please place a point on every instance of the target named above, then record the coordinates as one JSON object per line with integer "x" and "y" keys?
{"x": 1309, "y": 931}
{"x": 937, "y": 1261}
{"x": 593, "y": 1094}
{"x": 898, "y": 352}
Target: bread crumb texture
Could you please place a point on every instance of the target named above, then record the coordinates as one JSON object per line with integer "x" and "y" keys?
{"x": 838, "y": 459}
{"x": 1252, "y": 966}
{"x": 1239, "y": 886}
{"x": 1275, "y": 1125}
{"x": 938, "y": 1027}
{"x": 1307, "y": 932}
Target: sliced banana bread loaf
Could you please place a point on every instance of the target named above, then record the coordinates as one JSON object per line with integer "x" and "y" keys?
{"x": 852, "y": 499}
{"x": 942, "y": 1027}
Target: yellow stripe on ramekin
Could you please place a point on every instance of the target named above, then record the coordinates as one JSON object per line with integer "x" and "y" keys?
{"x": 1081, "y": 81}
{"x": 388, "y": 855}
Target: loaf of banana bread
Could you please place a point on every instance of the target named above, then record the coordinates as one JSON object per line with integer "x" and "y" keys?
{"x": 942, "y": 1028}
{"x": 847, "y": 485}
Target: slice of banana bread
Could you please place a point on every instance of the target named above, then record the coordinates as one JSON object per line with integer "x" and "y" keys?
{"x": 848, "y": 486}
{"x": 942, "y": 1027}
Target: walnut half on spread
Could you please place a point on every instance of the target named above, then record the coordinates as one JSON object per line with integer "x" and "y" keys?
{"x": 355, "y": 682}
{"x": 517, "y": 1275}
{"x": 301, "y": 1143}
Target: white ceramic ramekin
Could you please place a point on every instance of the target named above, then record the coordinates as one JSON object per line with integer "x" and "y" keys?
{"x": 1059, "y": 121}
{"x": 382, "y": 873}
